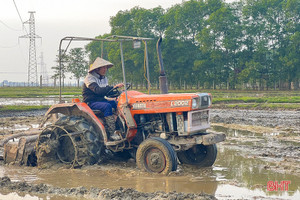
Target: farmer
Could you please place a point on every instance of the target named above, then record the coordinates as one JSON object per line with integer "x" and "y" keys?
{"x": 95, "y": 88}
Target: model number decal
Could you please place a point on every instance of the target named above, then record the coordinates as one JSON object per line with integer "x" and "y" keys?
{"x": 137, "y": 106}
{"x": 179, "y": 103}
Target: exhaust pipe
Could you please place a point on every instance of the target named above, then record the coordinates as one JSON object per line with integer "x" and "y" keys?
{"x": 163, "y": 82}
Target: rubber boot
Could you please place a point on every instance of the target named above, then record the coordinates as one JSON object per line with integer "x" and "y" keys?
{"x": 110, "y": 126}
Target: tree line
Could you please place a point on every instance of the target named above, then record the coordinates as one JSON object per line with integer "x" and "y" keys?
{"x": 247, "y": 44}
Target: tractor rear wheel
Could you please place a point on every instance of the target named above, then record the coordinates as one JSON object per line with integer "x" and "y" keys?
{"x": 73, "y": 140}
{"x": 200, "y": 155}
{"x": 156, "y": 155}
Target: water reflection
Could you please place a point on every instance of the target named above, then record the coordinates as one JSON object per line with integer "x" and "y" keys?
{"x": 28, "y": 101}
{"x": 248, "y": 170}
{"x": 143, "y": 182}
{"x": 252, "y": 173}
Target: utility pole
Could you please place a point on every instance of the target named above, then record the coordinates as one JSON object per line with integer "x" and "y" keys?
{"x": 32, "y": 66}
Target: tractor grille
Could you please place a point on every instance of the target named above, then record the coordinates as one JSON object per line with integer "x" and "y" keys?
{"x": 190, "y": 122}
{"x": 199, "y": 118}
{"x": 198, "y": 121}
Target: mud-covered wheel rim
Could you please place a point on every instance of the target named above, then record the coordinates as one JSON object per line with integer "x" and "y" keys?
{"x": 157, "y": 156}
{"x": 155, "y": 160}
{"x": 200, "y": 155}
{"x": 66, "y": 155}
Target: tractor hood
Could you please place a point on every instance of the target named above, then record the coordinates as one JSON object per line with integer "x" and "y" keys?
{"x": 164, "y": 103}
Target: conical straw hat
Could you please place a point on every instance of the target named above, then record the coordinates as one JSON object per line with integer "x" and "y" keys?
{"x": 100, "y": 62}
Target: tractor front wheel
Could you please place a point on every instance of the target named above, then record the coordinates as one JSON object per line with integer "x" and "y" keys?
{"x": 156, "y": 155}
{"x": 200, "y": 155}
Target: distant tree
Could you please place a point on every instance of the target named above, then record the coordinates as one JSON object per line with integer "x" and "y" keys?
{"x": 211, "y": 42}
{"x": 186, "y": 20}
{"x": 292, "y": 58}
{"x": 55, "y": 76}
{"x": 136, "y": 22}
{"x": 77, "y": 64}
{"x": 218, "y": 44}
{"x": 63, "y": 69}
{"x": 266, "y": 38}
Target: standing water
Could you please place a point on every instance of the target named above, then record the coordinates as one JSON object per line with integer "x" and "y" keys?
{"x": 244, "y": 169}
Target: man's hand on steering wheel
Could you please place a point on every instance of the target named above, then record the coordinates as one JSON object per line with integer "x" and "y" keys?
{"x": 119, "y": 85}
{"x": 114, "y": 92}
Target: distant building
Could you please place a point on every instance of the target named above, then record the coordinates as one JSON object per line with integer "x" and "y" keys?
{"x": 4, "y": 83}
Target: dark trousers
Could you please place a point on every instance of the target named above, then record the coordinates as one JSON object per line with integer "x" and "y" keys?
{"x": 104, "y": 106}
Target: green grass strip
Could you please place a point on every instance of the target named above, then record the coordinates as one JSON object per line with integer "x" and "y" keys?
{"x": 262, "y": 106}
{"x": 294, "y": 99}
{"x": 21, "y": 108}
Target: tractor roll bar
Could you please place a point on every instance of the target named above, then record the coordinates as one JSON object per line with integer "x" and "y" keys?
{"x": 113, "y": 38}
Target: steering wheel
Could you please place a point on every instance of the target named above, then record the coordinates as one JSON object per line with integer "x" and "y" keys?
{"x": 128, "y": 85}
{"x": 115, "y": 92}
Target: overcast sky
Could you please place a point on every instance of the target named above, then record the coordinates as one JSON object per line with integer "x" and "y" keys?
{"x": 54, "y": 20}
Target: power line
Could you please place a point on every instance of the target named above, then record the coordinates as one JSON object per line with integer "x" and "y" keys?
{"x": 8, "y": 47}
{"x": 20, "y": 16}
{"x": 12, "y": 72}
{"x": 9, "y": 26}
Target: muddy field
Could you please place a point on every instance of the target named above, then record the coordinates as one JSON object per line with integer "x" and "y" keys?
{"x": 261, "y": 146}
{"x": 269, "y": 135}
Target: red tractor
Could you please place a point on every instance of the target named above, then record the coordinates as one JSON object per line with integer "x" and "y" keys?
{"x": 156, "y": 130}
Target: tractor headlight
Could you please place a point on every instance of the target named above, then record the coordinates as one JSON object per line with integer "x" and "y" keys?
{"x": 205, "y": 100}
{"x": 195, "y": 103}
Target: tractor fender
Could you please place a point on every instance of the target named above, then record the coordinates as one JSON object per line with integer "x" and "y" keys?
{"x": 76, "y": 109}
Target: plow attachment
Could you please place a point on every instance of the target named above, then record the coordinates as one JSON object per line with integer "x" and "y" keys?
{"x": 20, "y": 148}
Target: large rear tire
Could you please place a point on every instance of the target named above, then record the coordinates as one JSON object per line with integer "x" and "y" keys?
{"x": 72, "y": 140}
{"x": 156, "y": 155}
{"x": 200, "y": 155}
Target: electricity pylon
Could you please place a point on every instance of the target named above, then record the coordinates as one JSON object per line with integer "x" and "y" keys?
{"x": 44, "y": 74}
{"x": 32, "y": 66}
